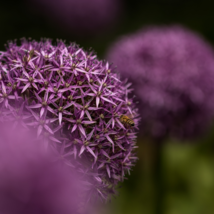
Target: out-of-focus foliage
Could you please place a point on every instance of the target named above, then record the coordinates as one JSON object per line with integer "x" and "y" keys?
{"x": 189, "y": 177}
{"x": 188, "y": 174}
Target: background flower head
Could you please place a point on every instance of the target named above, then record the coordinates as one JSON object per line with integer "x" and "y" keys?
{"x": 31, "y": 181}
{"x": 80, "y": 17}
{"x": 172, "y": 70}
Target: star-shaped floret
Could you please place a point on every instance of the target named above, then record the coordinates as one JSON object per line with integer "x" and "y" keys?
{"x": 29, "y": 80}
{"x": 41, "y": 123}
{"x": 108, "y": 160}
{"x": 5, "y": 95}
{"x": 19, "y": 116}
{"x": 86, "y": 145}
{"x": 61, "y": 110}
{"x": 77, "y": 124}
{"x": 44, "y": 103}
{"x": 99, "y": 95}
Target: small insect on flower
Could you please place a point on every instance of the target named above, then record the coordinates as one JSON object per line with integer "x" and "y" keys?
{"x": 29, "y": 57}
{"x": 127, "y": 120}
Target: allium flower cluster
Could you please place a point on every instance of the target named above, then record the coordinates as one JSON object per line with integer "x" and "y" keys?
{"x": 74, "y": 102}
{"x": 31, "y": 182}
{"x": 172, "y": 71}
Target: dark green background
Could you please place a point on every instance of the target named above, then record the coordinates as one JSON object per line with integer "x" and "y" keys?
{"x": 187, "y": 167}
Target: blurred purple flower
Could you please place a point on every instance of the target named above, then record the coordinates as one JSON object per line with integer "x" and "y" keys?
{"x": 80, "y": 17}
{"x": 172, "y": 71}
{"x": 31, "y": 182}
{"x": 74, "y": 103}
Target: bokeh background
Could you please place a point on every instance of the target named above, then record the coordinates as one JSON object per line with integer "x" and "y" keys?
{"x": 187, "y": 167}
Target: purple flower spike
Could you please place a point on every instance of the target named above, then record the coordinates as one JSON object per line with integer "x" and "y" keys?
{"x": 172, "y": 71}
{"x": 75, "y": 103}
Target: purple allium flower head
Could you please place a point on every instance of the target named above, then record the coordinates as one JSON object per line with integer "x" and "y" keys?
{"x": 74, "y": 102}
{"x": 31, "y": 182}
{"x": 172, "y": 71}
{"x": 79, "y": 16}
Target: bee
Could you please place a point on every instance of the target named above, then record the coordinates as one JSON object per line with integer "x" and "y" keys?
{"x": 31, "y": 53}
{"x": 28, "y": 58}
{"x": 127, "y": 120}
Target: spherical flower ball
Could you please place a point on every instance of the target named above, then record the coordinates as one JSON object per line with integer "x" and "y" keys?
{"x": 172, "y": 71}
{"x": 80, "y": 17}
{"x": 77, "y": 105}
{"x": 30, "y": 181}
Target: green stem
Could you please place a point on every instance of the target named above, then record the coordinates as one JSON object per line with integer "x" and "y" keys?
{"x": 159, "y": 182}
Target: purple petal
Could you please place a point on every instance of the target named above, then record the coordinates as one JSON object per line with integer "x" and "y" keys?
{"x": 82, "y": 150}
{"x": 35, "y": 115}
{"x": 53, "y": 120}
{"x": 64, "y": 90}
{"x": 90, "y": 135}
{"x": 113, "y": 122}
{"x": 12, "y": 97}
{"x": 74, "y": 128}
{"x": 67, "y": 112}
{"x": 68, "y": 105}
{"x": 101, "y": 194}
{"x": 108, "y": 171}
{"x": 48, "y": 129}
{"x": 25, "y": 88}
{"x": 38, "y": 97}
{"x": 3, "y": 87}
{"x": 92, "y": 88}
{"x": 97, "y": 101}
{"x": 101, "y": 165}
{"x": 98, "y": 179}
{"x": 35, "y": 73}
{"x": 75, "y": 152}
{"x": 35, "y": 106}
{"x": 119, "y": 145}
{"x": 23, "y": 80}
{"x": 35, "y": 86}
{"x": 91, "y": 151}
{"x": 39, "y": 130}
{"x": 26, "y": 74}
{"x": 89, "y": 122}
{"x": 42, "y": 111}
{"x": 54, "y": 139}
{"x": 104, "y": 153}
{"x": 82, "y": 130}
{"x": 91, "y": 94}
{"x": 81, "y": 70}
{"x": 88, "y": 115}
{"x": 110, "y": 140}
{"x": 6, "y": 103}
{"x": 32, "y": 123}
{"x": 60, "y": 118}
{"x": 107, "y": 100}
{"x": 51, "y": 110}
{"x": 82, "y": 114}
{"x": 116, "y": 156}
{"x": 46, "y": 96}
{"x": 94, "y": 108}
{"x": 70, "y": 120}
{"x": 121, "y": 125}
